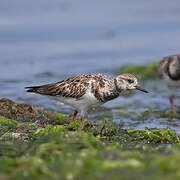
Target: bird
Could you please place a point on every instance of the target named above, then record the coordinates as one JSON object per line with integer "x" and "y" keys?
{"x": 169, "y": 71}
{"x": 85, "y": 91}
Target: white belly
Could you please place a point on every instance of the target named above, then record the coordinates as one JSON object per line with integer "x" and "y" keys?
{"x": 86, "y": 101}
{"x": 171, "y": 83}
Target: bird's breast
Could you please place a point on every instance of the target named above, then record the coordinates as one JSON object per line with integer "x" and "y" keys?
{"x": 170, "y": 82}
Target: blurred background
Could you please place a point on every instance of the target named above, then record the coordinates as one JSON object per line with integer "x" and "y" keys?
{"x": 48, "y": 40}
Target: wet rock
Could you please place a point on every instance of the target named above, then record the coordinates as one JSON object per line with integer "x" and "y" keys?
{"x": 12, "y": 110}
{"x": 50, "y": 147}
{"x": 21, "y": 112}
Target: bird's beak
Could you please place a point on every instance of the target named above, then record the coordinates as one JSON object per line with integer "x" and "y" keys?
{"x": 141, "y": 89}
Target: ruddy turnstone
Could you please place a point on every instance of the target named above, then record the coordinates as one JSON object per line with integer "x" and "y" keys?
{"x": 169, "y": 71}
{"x": 84, "y": 91}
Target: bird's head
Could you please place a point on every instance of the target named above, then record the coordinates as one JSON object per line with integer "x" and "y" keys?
{"x": 127, "y": 82}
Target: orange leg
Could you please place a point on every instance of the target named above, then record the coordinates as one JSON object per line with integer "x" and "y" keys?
{"x": 81, "y": 119}
{"x": 172, "y": 104}
{"x": 74, "y": 115}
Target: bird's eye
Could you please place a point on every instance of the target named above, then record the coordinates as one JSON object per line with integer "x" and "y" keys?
{"x": 130, "y": 81}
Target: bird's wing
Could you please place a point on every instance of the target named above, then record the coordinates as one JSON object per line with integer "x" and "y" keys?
{"x": 170, "y": 65}
{"x": 74, "y": 87}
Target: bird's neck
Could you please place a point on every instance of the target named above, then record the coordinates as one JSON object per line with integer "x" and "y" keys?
{"x": 117, "y": 87}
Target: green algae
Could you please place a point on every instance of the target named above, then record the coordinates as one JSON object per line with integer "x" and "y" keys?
{"x": 166, "y": 114}
{"x": 155, "y": 135}
{"x": 7, "y": 125}
{"x": 60, "y": 118}
{"x": 149, "y": 113}
{"x": 81, "y": 155}
{"x": 49, "y": 129}
{"x": 143, "y": 72}
{"x": 145, "y": 114}
{"x": 53, "y": 148}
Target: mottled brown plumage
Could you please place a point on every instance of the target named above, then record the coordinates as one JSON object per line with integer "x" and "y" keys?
{"x": 85, "y": 91}
{"x": 75, "y": 87}
{"x": 169, "y": 71}
{"x": 170, "y": 66}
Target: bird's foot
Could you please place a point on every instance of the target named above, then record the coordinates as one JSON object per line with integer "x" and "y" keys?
{"x": 80, "y": 119}
{"x": 72, "y": 119}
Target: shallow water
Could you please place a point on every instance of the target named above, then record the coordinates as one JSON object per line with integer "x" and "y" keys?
{"x": 45, "y": 41}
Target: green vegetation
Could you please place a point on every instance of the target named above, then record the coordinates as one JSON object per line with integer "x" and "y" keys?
{"x": 58, "y": 153}
{"x": 6, "y": 124}
{"x": 149, "y": 113}
{"x": 155, "y": 135}
{"x": 49, "y": 147}
{"x": 144, "y": 72}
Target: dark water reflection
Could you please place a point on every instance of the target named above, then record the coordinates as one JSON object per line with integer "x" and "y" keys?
{"x": 45, "y": 41}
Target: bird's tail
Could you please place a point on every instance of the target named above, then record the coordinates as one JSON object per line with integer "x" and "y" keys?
{"x": 43, "y": 89}
{"x": 33, "y": 89}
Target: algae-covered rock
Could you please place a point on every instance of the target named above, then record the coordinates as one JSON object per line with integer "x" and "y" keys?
{"x": 166, "y": 114}
{"x": 7, "y": 125}
{"x": 155, "y": 135}
{"x": 145, "y": 114}
{"x": 61, "y": 119}
{"x": 14, "y": 136}
{"x": 50, "y": 147}
{"x": 21, "y": 112}
{"x": 149, "y": 113}
{"x": 15, "y": 111}
{"x": 81, "y": 155}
